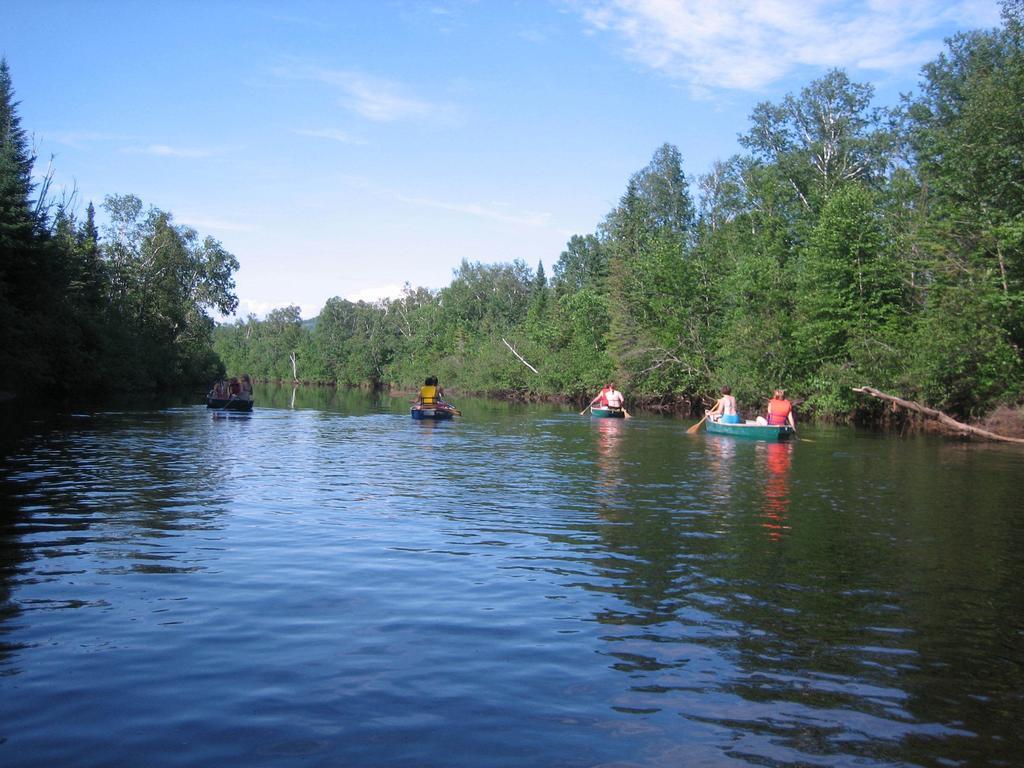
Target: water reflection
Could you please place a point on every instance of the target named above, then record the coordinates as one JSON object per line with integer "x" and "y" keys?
{"x": 776, "y": 458}
{"x": 609, "y": 442}
{"x": 517, "y": 588}
{"x": 721, "y": 452}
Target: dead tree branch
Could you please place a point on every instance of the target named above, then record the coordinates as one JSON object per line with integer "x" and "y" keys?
{"x": 520, "y": 357}
{"x": 910, "y": 405}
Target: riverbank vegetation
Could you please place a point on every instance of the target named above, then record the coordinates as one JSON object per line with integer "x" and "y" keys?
{"x": 85, "y": 311}
{"x": 848, "y": 245}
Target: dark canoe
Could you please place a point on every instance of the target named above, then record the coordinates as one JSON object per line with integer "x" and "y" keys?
{"x": 607, "y": 413}
{"x": 434, "y": 413}
{"x": 236, "y": 405}
{"x": 748, "y": 429}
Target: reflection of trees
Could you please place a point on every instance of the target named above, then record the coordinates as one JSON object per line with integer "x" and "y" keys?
{"x": 329, "y": 399}
{"x": 852, "y": 609}
{"x": 641, "y": 498}
{"x": 720, "y": 451}
{"x": 112, "y": 496}
{"x": 13, "y": 556}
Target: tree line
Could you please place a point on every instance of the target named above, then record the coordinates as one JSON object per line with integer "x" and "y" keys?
{"x": 86, "y": 312}
{"x": 847, "y": 245}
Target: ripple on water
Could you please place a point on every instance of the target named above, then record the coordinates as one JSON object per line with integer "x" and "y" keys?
{"x": 324, "y": 587}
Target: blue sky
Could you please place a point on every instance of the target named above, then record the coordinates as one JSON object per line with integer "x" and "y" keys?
{"x": 345, "y": 148}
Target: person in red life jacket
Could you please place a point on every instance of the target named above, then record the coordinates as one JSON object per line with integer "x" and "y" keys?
{"x": 725, "y": 408}
{"x": 609, "y": 397}
{"x": 780, "y": 410}
{"x": 601, "y": 398}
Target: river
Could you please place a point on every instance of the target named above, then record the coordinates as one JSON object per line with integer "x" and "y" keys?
{"x": 326, "y": 582}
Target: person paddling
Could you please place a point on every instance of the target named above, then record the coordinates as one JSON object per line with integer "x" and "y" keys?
{"x": 725, "y": 408}
{"x": 609, "y": 397}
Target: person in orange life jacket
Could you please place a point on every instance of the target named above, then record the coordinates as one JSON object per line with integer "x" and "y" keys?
{"x": 780, "y": 410}
{"x": 725, "y": 408}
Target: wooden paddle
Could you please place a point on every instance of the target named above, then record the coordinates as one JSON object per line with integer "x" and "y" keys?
{"x": 696, "y": 426}
{"x": 451, "y": 408}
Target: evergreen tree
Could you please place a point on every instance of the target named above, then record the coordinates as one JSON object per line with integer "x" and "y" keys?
{"x": 23, "y": 277}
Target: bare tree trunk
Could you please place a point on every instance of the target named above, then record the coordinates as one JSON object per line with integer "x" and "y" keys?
{"x": 1002, "y": 269}
{"x": 910, "y": 405}
{"x": 520, "y": 357}
{"x": 295, "y": 369}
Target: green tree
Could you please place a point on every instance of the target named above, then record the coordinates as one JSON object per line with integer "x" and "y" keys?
{"x": 583, "y": 264}
{"x": 968, "y": 137}
{"x": 280, "y": 339}
{"x": 827, "y": 136}
{"x": 850, "y": 302}
{"x": 164, "y": 282}
{"x": 745, "y": 242}
{"x": 656, "y": 334}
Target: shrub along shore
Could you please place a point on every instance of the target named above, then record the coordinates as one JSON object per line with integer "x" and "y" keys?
{"x": 850, "y": 245}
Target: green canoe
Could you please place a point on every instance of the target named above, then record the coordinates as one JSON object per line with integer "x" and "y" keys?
{"x": 607, "y": 413}
{"x": 751, "y": 429}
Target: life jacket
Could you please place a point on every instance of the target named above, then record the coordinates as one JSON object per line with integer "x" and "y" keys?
{"x": 778, "y": 411}
{"x": 428, "y": 395}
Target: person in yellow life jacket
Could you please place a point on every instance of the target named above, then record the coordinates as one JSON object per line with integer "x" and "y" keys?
{"x": 430, "y": 393}
{"x": 780, "y": 410}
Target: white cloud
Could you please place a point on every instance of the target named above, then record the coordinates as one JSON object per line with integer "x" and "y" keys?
{"x": 375, "y": 98}
{"x": 493, "y": 211}
{"x": 163, "y": 150}
{"x": 329, "y": 133}
{"x": 261, "y": 307}
{"x": 749, "y": 44}
{"x": 80, "y": 139}
{"x": 375, "y": 293}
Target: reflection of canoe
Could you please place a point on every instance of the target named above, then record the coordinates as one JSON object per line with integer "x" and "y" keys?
{"x": 751, "y": 429}
{"x": 431, "y": 412}
{"x": 607, "y": 413}
{"x": 239, "y": 406}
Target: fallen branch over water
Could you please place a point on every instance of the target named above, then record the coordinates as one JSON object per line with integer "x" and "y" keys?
{"x": 931, "y": 413}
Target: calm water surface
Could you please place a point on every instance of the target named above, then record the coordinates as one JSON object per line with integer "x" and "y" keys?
{"x": 326, "y": 582}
